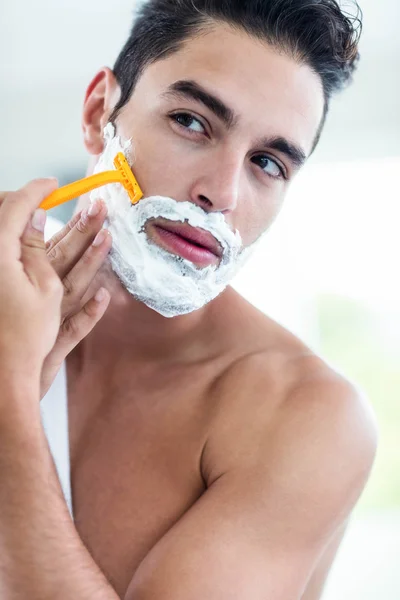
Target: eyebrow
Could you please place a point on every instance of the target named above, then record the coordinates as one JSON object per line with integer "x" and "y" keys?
{"x": 294, "y": 153}
{"x": 194, "y": 91}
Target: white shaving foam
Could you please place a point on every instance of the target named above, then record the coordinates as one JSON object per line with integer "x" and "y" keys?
{"x": 167, "y": 283}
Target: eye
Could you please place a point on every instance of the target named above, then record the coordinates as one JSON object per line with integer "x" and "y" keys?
{"x": 269, "y": 166}
{"x": 189, "y": 122}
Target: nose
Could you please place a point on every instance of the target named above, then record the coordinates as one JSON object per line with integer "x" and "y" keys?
{"x": 217, "y": 187}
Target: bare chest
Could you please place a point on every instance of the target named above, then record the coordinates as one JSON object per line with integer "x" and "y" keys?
{"x": 135, "y": 468}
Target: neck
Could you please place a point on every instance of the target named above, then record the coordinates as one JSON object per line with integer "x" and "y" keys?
{"x": 132, "y": 332}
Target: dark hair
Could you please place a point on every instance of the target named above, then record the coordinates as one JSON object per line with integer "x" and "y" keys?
{"x": 316, "y": 32}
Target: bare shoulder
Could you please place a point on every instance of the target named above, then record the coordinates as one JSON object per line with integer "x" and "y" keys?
{"x": 290, "y": 445}
{"x": 283, "y": 402}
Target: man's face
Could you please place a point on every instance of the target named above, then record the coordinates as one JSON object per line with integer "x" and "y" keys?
{"x": 224, "y": 123}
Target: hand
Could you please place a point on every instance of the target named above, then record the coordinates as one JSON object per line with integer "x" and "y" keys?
{"x": 30, "y": 290}
{"x": 76, "y": 262}
{"x": 76, "y": 254}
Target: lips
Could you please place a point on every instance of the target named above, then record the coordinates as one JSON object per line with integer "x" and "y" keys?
{"x": 196, "y": 236}
{"x": 193, "y": 244}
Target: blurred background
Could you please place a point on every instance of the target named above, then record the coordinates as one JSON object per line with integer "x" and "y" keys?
{"x": 328, "y": 269}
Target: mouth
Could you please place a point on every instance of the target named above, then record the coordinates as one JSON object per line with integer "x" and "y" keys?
{"x": 193, "y": 244}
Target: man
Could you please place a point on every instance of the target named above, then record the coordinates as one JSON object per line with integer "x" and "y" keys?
{"x": 213, "y": 454}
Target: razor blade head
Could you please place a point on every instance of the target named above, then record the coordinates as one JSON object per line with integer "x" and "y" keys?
{"x": 129, "y": 180}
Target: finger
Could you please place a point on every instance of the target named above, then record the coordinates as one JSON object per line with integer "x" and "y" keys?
{"x": 49, "y": 372}
{"x": 67, "y": 252}
{"x": 3, "y": 195}
{"x": 78, "y": 281}
{"x": 17, "y": 207}
{"x": 48, "y": 375}
{"x": 33, "y": 252}
{"x": 77, "y": 327}
{"x": 72, "y": 332}
{"x": 63, "y": 232}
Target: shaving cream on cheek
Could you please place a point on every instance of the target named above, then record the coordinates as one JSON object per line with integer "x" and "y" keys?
{"x": 167, "y": 283}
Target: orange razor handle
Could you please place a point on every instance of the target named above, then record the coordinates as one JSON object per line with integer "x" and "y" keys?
{"x": 123, "y": 174}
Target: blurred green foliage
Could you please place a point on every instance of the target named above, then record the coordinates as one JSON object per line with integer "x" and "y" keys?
{"x": 355, "y": 343}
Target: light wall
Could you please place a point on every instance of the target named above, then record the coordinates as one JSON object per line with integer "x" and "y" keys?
{"x": 51, "y": 50}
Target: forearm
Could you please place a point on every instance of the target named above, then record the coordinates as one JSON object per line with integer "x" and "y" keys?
{"x": 41, "y": 554}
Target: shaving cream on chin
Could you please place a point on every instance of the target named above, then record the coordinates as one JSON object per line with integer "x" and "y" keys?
{"x": 167, "y": 283}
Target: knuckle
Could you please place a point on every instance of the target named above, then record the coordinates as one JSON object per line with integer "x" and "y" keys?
{"x": 40, "y": 182}
{"x": 16, "y": 196}
{"x": 49, "y": 246}
{"x": 56, "y": 254}
{"x": 83, "y": 226}
{"x": 68, "y": 286}
{"x": 73, "y": 330}
{"x": 88, "y": 259}
{"x": 28, "y": 189}
{"x": 74, "y": 221}
{"x": 70, "y": 226}
{"x": 35, "y": 243}
{"x": 60, "y": 235}
{"x": 90, "y": 310}
{"x": 52, "y": 284}
{"x": 53, "y": 241}
{"x": 70, "y": 328}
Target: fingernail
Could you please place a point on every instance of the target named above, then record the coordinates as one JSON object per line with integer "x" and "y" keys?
{"x": 100, "y": 238}
{"x": 100, "y": 296}
{"x": 94, "y": 209}
{"x": 38, "y": 220}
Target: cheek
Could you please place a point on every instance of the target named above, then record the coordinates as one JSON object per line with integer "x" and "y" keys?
{"x": 163, "y": 163}
{"x": 254, "y": 217}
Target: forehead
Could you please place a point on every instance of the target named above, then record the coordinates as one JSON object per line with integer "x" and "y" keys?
{"x": 270, "y": 92}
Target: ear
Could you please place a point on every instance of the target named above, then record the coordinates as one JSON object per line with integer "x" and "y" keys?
{"x": 101, "y": 97}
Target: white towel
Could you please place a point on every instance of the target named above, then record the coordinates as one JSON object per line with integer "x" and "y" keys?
{"x": 54, "y": 411}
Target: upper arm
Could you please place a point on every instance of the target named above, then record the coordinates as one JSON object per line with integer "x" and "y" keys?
{"x": 261, "y": 527}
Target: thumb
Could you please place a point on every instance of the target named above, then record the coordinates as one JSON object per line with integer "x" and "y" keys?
{"x": 33, "y": 250}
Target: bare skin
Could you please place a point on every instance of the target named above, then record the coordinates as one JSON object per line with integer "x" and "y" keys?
{"x": 212, "y": 455}
{"x": 152, "y": 499}
{"x": 162, "y": 457}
